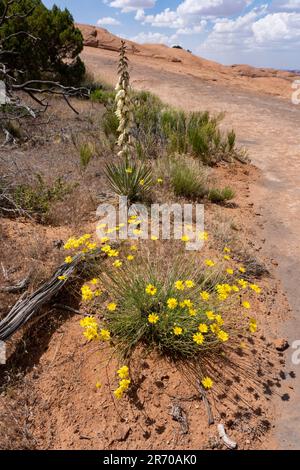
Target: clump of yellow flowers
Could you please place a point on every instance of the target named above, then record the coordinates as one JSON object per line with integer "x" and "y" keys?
{"x": 184, "y": 317}
{"x": 92, "y": 332}
{"x": 83, "y": 243}
{"x": 124, "y": 382}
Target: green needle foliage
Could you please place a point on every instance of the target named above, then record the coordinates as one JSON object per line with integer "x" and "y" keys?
{"x": 45, "y": 43}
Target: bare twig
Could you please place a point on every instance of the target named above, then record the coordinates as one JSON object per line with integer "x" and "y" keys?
{"x": 21, "y": 285}
{"x": 179, "y": 415}
{"x": 227, "y": 441}
{"x": 67, "y": 308}
{"x": 4, "y": 270}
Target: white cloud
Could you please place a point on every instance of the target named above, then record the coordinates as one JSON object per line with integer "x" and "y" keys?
{"x": 286, "y": 5}
{"x": 108, "y": 21}
{"x": 212, "y": 7}
{"x": 190, "y": 12}
{"x": 153, "y": 38}
{"x": 132, "y": 5}
{"x": 233, "y": 33}
{"x": 166, "y": 19}
{"x": 253, "y": 31}
{"x": 280, "y": 28}
{"x": 200, "y": 28}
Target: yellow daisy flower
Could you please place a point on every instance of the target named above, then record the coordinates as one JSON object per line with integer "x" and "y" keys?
{"x": 153, "y": 318}
{"x": 210, "y": 263}
{"x": 210, "y": 315}
{"x": 177, "y": 330}
{"x": 179, "y": 285}
{"x": 117, "y": 263}
{"x": 172, "y": 303}
{"x": 207, "y": 383}
{"x": 189, "y": 284}
{"x": 105, "y": 335}
{"x": 112, "y": 307}
{"x": 203, "y": 328}
{"x": 150, "y": 289}
{"x": 198, "y": 338}
{"x": 223, "y": 336}
{"x": 204, "y": 295}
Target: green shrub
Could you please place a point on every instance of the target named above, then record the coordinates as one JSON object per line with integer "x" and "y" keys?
{"x": 110, "y": 124}
{"x": 103, "y": 96}
{"x": 187, "y": 178}
{"x": 159, "y": 129}
{"x": 129, "y": 324}
{"x": 221, "y": 195}
{"x": 162, "y": 128}
{"x": 36, "y": 198}
{"x": 133, "y": 180}
{"x": 147, "y": 129}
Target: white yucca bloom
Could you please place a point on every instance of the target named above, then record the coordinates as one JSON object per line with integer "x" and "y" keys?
{"x": 124, "y": 105}
{"x": 120, "y": 94}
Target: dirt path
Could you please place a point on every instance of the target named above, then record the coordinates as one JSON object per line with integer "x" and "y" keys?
{"x": 268, "y": 127}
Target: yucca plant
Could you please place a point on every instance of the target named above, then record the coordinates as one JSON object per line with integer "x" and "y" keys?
{"x": 133, "y": 180}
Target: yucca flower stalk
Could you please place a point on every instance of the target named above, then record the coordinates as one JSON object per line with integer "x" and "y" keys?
{"x": 124, "y": 105}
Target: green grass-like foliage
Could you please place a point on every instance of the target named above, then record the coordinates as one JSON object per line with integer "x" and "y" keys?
{"x": 131, "y": 179}
{"x": 221, "y": 195}
{"x": 86, "y": 152}
{"x": 103, "y": 96}
{"x": 161, "y": 129}
{"x": 129, "y": 324}
{"x": 188, "y": 179}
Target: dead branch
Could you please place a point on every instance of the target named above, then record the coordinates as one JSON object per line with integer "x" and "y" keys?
{"x": 67, "y": 308}
{"x": 26, "y": 307}
{"x": 19, "y": 287}
{"x": 179, "y": 415}
{"x": 4, "y": 270}
{"x": 227, "y": 441}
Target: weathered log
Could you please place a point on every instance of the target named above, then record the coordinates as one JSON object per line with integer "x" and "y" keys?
{"x": 26, "y": 307}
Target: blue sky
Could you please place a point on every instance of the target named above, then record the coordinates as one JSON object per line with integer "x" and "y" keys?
{"x": 262, "y": 33}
